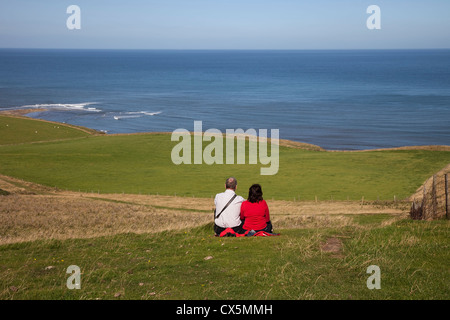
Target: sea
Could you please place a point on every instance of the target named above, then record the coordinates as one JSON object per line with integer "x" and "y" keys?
{"x": 336, "y": 99}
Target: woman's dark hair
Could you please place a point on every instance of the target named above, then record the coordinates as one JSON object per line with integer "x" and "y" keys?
{"x": 255, "y": 193}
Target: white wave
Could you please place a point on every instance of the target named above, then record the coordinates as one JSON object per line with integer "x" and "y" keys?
{"x": 125, "y": 117}
{"x": 136, "y": 114}
{"x": 63, "y": 106}
{"x": 151, "y": 113}
{"x": 147, "y": 113}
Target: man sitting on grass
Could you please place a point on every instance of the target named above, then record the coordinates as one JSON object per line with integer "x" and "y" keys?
{"x": 228, "y": 209}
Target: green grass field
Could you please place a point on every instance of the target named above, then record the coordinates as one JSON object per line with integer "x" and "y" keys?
{"x": 175, "y": 265}
{"x": 19, "y": 130}
{"x": 193, "y": 264}
{"x": 142, "y": 164}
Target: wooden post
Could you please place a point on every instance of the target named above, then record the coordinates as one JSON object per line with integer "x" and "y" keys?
{"x": 447, "y": 214}
{"x": 434, "y": 205}
{"x": 424, "y": 201}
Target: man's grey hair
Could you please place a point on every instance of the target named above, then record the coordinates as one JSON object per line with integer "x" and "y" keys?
{"x": 231, "y": 183}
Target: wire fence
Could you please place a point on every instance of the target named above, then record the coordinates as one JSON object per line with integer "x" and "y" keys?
{"x": 308, "y": 197}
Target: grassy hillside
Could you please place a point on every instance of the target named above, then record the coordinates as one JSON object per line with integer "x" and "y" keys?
{"x": 142, "y": 164}
{"x": 21, "y": 130}
{"x": 140, "y": 247}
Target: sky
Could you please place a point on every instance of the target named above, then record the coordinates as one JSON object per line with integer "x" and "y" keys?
{"x": 225, "y": 24}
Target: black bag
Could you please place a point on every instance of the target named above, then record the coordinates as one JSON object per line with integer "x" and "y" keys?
{"x": 231, "y": 200}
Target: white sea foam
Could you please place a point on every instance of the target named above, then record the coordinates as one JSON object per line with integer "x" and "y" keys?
{"x": 63, "y": 106}
{"x": 151, "y": 113}
{"x": 136, "y": 114}
{"x": 125, "y": 117}
{"x": 142, "y": 113}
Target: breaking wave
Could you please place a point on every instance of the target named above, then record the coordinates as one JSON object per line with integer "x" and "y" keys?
{"x": 135, "y": 114}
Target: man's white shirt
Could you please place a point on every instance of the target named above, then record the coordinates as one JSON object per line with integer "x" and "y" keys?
{"x": 230, "y": 218}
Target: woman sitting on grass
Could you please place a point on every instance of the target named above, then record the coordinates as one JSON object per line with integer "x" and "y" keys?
{"x": 255, "y": 211}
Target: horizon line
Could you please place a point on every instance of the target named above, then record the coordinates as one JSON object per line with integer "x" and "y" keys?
{"x": 229, "y": 49}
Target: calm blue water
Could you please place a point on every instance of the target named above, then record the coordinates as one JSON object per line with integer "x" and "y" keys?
{"x": 334, "y": 99}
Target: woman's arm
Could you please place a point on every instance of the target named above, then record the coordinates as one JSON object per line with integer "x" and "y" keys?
{"x": 267, "y": 214}
{"x": 242, "y": 215}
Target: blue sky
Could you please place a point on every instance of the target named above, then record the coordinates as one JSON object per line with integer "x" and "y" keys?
{"x": 225, "y": 24}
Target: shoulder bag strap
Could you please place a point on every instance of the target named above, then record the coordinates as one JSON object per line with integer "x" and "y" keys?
{"x": 231, "y": 200}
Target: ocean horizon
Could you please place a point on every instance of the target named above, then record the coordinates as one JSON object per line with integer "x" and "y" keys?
{"x": 336, "y": 99}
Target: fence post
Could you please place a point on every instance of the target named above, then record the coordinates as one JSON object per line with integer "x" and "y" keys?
{"x": 424, "y": 200}
{"x": 434, "y": 204}
{"x": 446, "y": 197}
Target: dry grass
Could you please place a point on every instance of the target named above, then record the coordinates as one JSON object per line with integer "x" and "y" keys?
{"x": 418, "y": 195}
{"x": 34, "y": 212}
{"x": 278, "y": 208}
{"x": 32, "y": 217}
{"x": 70, "y": 215}
{"x": 440, "y": 194}
{"x": 308, "y": 221}
{"x": 18, "y": 186}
